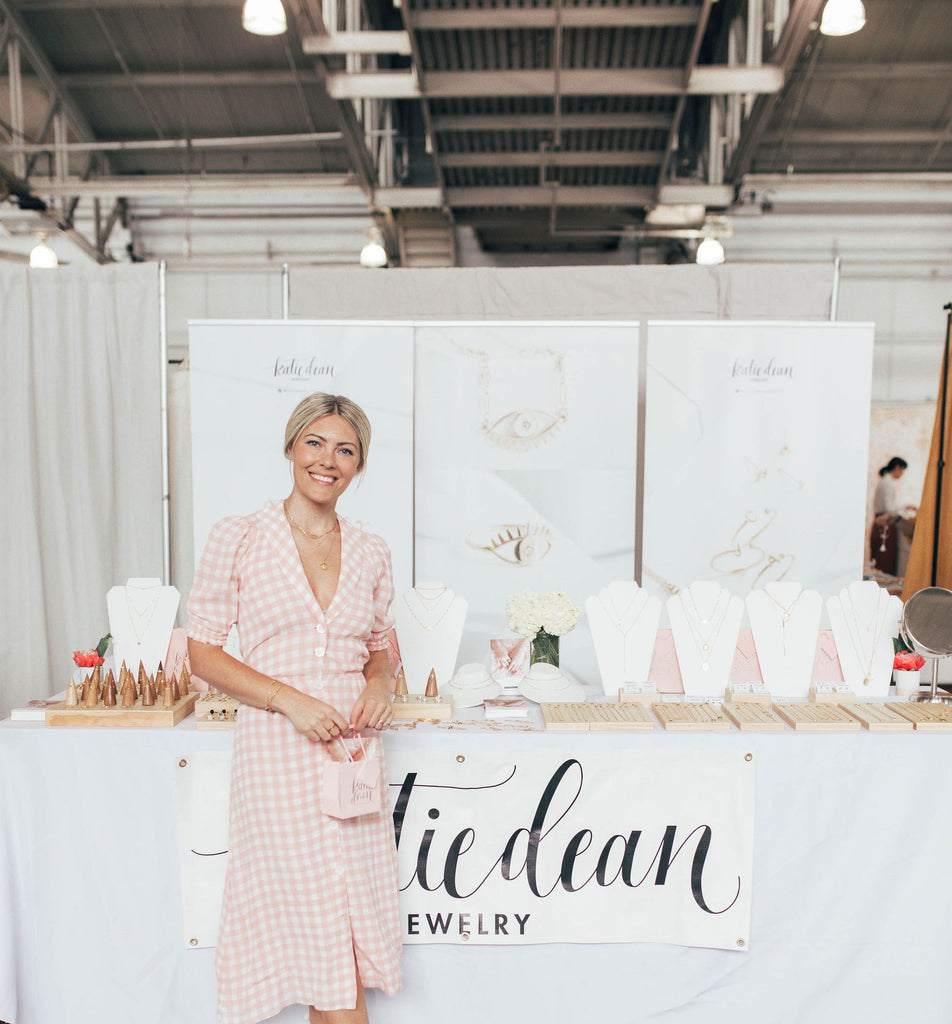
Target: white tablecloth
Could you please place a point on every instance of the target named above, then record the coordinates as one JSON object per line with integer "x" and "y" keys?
{"x": 850, "y": 912}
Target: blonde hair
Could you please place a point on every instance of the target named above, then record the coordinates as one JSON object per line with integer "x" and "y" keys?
{"x": 320, "y": 404}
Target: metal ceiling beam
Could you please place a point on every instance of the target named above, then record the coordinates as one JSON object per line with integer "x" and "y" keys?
{"x": 544, "y": 122}
{"x": 601, "y": 16}
{"x": 337, "y": 43}
{"x": 710, "y": 80}
{"x": 556, "y": 158}
{"x": 88, "y": 5}
{"x": 542, "y": 195}
{"x": 151, "y": 145}
{"x": 854, "y": 137}
{"x": 188, "y": 79}
{"x": 321, "y": 186}
{"x": 800, "y": 24}
{"x": 881, "y": 72}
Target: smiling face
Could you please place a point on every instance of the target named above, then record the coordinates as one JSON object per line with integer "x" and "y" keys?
{"x": 324, "y": 459}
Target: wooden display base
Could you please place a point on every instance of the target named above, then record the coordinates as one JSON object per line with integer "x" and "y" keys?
{"x": 595, "y": 716}
{"x": 637, "y": 693}
{"x": 690, "y": 717}
{"x": 878, "y": 718}
{"x": 750, "y": 716}
{"x": 817, "y": 717}
{"x": 925, "y": 717}
{"x": 216, "y": 711}
{"x": 439, "y": 708}
{"x": 155, "y": 717}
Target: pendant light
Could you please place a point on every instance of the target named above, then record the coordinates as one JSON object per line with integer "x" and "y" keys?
{"x": 842, "y": 17}
{"x": 373, "y": 254}
{"x": 264, "y": 17}
{"x": 42, "y": 256}
{"x": 709, "y": 253}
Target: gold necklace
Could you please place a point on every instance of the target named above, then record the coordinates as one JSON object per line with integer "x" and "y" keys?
{"x": 309, "y": 535}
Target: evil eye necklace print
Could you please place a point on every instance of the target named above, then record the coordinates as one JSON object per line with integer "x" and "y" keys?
{"x": 521, "y": 544}
{"x": 526, "y": 425}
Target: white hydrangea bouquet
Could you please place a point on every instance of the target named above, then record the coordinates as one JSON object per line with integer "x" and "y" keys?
{"x": 543, "y": 619}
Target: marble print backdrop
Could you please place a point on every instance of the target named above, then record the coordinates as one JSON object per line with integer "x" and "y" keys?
{"x": 526, "y": 445}
{"x": 756, "y": 440}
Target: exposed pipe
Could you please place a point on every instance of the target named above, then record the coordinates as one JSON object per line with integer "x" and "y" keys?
{"x": 164, "y": 420}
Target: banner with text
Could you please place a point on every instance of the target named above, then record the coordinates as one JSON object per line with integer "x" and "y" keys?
{"x": 508, "y": 848}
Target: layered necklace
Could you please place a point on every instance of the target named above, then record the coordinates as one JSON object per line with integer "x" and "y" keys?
{"x": 625, "y": 620}
{"x": 429, "y": 605}
{"x": 705, "y": 639}
{"x": 312, "y": 536}
{"x": 140, "y": 619}
{"x": 785, "y": 610}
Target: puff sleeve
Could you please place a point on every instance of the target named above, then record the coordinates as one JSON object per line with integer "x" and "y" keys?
{"x": 382, "y": 599}
{"x": 213, "y": 600}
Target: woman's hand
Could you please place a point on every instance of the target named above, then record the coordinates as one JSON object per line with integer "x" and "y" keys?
{"x": 313, "y": 718}
{"x": 372, "y": 709}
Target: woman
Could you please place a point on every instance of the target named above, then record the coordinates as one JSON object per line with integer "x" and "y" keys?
{"x": 889, "y": 519}
{"x": 310, "y": 907}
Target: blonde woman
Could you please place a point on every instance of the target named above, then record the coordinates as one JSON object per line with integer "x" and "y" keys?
{"x": 310, "y": 907}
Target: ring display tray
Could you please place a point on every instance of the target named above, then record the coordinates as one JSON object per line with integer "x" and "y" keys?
{"x": 878, "y": 718}
{"x": 216, "y": 711}
{"x": 925, "y": 717}
{"x": 817, "y": 717}
{"x": 750, "y": 716}
{"x": 436, "y": 707}
{"x": 690, "y": 717}
{"x": 585, "y": 716}
{"x": 137, "y": 716}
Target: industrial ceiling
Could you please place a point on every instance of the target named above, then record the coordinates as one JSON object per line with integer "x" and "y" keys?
{"x": 542, "y": 125}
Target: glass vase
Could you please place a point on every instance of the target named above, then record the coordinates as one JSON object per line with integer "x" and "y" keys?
{"x": 544, "y": 648}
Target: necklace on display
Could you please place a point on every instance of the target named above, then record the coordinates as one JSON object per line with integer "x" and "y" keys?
{"x": 785, "y": 612}
{"x": 141, "y": 619}
{"x": 865, "y": 662}
{"x": 429, "y": 627}
{"x": 312, "y": 536}
{"x": 703, "y": 640}
{"x": 626, "y": 620}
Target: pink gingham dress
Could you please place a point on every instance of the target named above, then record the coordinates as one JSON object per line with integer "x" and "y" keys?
{"x": 303, "y": 891}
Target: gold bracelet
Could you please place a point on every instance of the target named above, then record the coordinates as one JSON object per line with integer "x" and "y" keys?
{"x": 272, "y": 695}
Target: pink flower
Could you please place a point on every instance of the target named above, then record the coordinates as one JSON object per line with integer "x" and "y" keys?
{"x": 87, "y": 659}
{"x": 906, "y": 661}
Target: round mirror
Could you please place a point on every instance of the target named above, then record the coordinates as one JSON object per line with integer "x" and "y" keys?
{"x": 927, "y": 622}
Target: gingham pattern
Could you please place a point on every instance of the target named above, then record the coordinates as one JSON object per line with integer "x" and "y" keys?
{"x": 303, "y": 890}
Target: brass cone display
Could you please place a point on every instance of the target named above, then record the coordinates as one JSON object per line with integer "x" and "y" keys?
{"x": 431, "y": 689}
{"x": 109, "y": 691}
{"x": 167, "y": 700}
{"x": 184, "y": 680}
{"x": 72, "y": 696}
{"x": 91, "y": 689}
{"x": 143, "y": 677}
{"x": 127, "y": 694}
{"x": 401, "y": 688}
{"x": 148, "y": 694}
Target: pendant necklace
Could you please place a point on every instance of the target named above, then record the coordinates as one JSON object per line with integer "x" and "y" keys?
{"x": 865, "y": 663}
{"x": 785, "y": 612}
{"x": 140, "y": 621}
{"x": 702, "y": 641}
{"x": 309, "y": 535}
{"x": 625, "y": 621}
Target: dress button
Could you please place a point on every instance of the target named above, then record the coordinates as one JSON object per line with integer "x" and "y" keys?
{"x": 319, "y": 628}
{"x": 319, "y": 651}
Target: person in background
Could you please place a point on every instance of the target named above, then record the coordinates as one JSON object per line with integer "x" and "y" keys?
{"x": 890, "y": 518}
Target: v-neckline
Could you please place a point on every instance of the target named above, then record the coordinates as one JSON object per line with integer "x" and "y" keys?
{"x": 295, "y": 564}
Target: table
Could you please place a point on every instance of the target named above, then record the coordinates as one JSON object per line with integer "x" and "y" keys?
{"x": 849, "y": 914}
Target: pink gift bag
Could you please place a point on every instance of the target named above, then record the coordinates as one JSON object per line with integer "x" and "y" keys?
{"x": 352, "y": 787}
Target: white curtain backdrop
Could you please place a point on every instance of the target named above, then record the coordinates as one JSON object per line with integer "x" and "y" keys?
{"x": 80, "y": 474}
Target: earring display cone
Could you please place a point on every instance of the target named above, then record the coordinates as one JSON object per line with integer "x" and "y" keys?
{"x": 401, "y": 694}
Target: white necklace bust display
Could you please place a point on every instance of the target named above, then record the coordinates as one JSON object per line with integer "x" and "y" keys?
{"x": 705, "y": 623}
{"x": 624, "y": 620}
{"x": 429, "y": 622}
{"x": 785, "y": 621}
{"x": 141, "y": 617}
{"x": 471, "y": 685}
{"x": 865, "y": 618}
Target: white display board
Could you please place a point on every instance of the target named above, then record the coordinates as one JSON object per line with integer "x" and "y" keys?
{"x": 756, "y": 442}
{"x": 526, "y": 455}
{"x": 247, "y": 377}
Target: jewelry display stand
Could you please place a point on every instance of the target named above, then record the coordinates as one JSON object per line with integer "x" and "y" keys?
{"x": 141, "y": 617}
{"x": 471, "y": 685}
{"x": 705, "y": 621}
{"x": 429, "y": 622}
{"x": 545, "y": 682}
{"x": 422, "y": 707}
{"x": 865, "y": 618}
{"x": 624, "y": 620}
{"x": 784, "y": 620}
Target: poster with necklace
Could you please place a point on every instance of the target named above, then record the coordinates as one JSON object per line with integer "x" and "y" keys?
{"x": 526, "y": 454}
{"x": 756, "y": 444}
{"x": 247, "y": 377}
